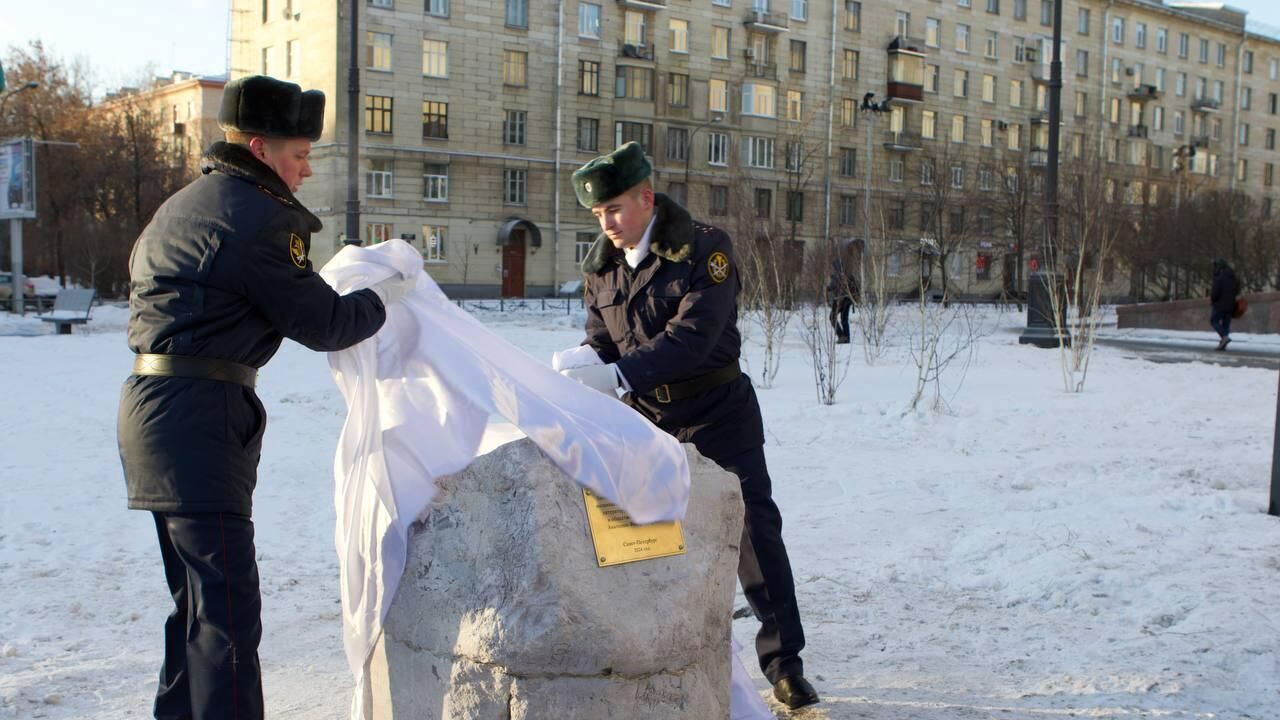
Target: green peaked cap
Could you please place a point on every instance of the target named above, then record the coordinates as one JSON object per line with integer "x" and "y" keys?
{"x": 608, "y": 176}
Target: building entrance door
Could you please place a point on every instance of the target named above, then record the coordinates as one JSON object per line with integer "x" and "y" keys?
{"x": 513, "y": 265}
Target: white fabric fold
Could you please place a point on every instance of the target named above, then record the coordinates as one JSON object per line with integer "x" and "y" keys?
{"x": 419, "y": 395}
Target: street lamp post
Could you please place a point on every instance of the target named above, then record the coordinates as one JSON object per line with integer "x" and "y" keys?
{"x": 353, "y": 128}
{"x": 870, "y": 111}
{"x": 688, "y": 152}
{"x": 15, "y": 224}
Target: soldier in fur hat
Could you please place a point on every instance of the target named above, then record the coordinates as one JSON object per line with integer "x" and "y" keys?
{"x": 661, "y": 293}
{"x": 218, "y": 278}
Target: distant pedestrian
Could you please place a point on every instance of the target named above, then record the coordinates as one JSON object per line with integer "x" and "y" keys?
{"x": 842, "y": 291}
{"x": 1222, "y": 297}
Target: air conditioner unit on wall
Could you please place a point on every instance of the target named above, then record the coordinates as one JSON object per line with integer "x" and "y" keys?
{"x": 749, "y": 53}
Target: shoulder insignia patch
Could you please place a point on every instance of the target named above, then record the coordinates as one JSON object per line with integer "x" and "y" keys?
{"x": 718, "y": 266}
{"x": 297, "y": 251}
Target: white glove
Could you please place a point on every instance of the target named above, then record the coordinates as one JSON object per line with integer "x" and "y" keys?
{"x": 601, "y": 377}
{"x": 391, "y": 290}
{"x": 575, "y": 357}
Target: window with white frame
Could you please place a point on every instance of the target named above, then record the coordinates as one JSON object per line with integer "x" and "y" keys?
{"x": 757, "y": 152}
{"x": 1140, "y": 34}
{"x": 989, "y": 88}
{"x": 929, "y": 124}
{"x": 377, "y": 51}
{"x": 582, "y": 246}
{"x": 957, "y": 128}
{"x": 1162, "y": 40}
{"x": 758, "y": 99}
{"x": 679, "y": 36}
{"x": 1014, "y": 134}
{"x": 515, "y": 186}
{"x": 991, "y": 49}
{"x": 513, "y": 127}
{"x": 435, "y": 182}
{"x": 799, "y": 9}
{"x": 636, "y": 28}
{"x": 588, "y": 20}
{"x": 718, "y": 149}
{"x": 292, "y": 55}
{"x": 927, "y": 171}
{"x": 433, "y": 243}
{"x": 1117, "y": 30}
{"x": 957, "y": 175}
{"x": 1015, "y": 93}
{"x": 435, "y": 58}
{"x": 932, "y": 32}
{"x": 720, "y": 43}
{"x": 377, "y": 232}
{"x": 962, "y": 38}
{"x": 795, "y": 105}
{"x": 897, "y": 168}
{"x": 438, "y": 7}
{"x": 718, "y": 95}
{"x": 588, "y": 134}
{"x": 380, "y": 179}
{"x": 986, "y": 132}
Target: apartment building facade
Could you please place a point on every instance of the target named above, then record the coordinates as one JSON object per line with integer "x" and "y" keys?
{"x": 186, "y": 107}
{"x": 476, "y": 112}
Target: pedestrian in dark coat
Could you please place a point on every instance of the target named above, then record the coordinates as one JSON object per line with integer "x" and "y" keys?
{"x": 1222, "y": 298}
{"x": 661, "y": 293}
{"x": 218, "y": 279}
{"x": 842, "y": 288}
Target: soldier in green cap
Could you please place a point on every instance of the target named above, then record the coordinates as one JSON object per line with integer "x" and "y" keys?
{"x": 661, "y": 294}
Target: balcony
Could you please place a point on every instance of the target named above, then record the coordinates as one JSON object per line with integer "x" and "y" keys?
{"x": 1038, "y": 157}
{"x": 1145, "y": 92}
{"x": 767, "y": 22}
{"x": 638, "y": 52}
{"x": 1040, "y": 74}
{"x": 1200, "y": 141}
{"x": 1205, "y": 105}
{"x": 650, "y": 5}
{"x": 767, "y": 71}
{"x": 1138, "y": 131}
{"x": 906, "y": 71}
{"x": 902, "y": 141}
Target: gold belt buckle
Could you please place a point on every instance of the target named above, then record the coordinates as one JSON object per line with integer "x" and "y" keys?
{"x": 662, "y": 393}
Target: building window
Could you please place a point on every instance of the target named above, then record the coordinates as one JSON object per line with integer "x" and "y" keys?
{"x": 1082, "y": 63}
{"x": 582, "y": 246}
{"x": 514, "y": 63}
{"x": 1140, "y": 34}
{"x": 719, "y": 200}
{"x": 1162, "y": 40}
{"x": 795, "y": 206}
{"x": 989, "y": 88}
{"x": 266, "y": 61}
{"x": 764, "y": 203}
{"x": 929, "y": 124}
{"x": 588, "y": 134}
{"x": 678, "y": 144}
{"x": 897, "y": 169}
{"x": 377, "y": 114}
{"x": 962, "y": 38}
{"x": 795, "y": 156}
{"x": 757, "y": 152}
{"x": 957, "y": 179}
{"x": 588, "y": 20}
{"x": 1019, "y": 9}
{"x": 1117, "y": 30}
{"x": 932, "y": 32}
{"x": 897, "y": 221}
{"x": 718, "y": 95}
{"x": 991, "y": 48}
{"x": 957, "y": 129}
{"x": 433, "y": 241}
{"x": 848, "y": 112}
{"x": 679, "y": 36}
{"x": 1082, "y": 21}
{"x": 960, "y": 87}
{"x": 435, "y": 182}
{"x": 795, "y": 105}
{"x": 927, "y": 170}
{"x": 291, "y": 57}
{"x": 639, "y": 133}
{"x": 513, "y": 127}
{"x": 377, "y": 51}
{"x": 435, "y": 58}
{"x": 720, "y": 43}
{"x": 798, "y": 52}
{"x": 799, "y": 9}
{"x": 932, "y": 75}
{"x": 985, "y": 133}
{"x": 514, "y": 186}
{"x": 1013, "y": 131}
{"x": 377, "y": 232}
{"x": 379, "y": 183}
{"x": 678, "y": 90}
{"x": 758, "y": 99}
{"x": 1204, "y": 51}
{"x": 636, "y": 28}
{"x": 1046, "y": 12}
{"x": 382, "y": 3}
{"x": 588, "y": 77}
{"x": 718, "y": 149}
{"x": 993, "y": 7}
{"x": 517, "y": 13}
{"x": 849, "y": 65}
{"x": 438, "y": 7}
{"x": 1015, "y": 93}
{"x": 853, "y": 15}
{"x": 435, "y": 120}
{"x": 848, "y": 214}
{"x": 848, "y": 162}
{"x": 634, "y": 82}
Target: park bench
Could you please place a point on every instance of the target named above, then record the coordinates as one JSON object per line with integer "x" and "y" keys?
{"x": 70, "y": 307}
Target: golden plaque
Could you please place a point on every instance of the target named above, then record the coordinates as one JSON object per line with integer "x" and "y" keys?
{"x": 618, "y": 540}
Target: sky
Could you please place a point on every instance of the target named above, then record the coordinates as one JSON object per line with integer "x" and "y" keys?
{"x": 122, "y": 40}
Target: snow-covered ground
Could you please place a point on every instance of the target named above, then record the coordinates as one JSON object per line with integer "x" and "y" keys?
{"x": 1030, "y": 555}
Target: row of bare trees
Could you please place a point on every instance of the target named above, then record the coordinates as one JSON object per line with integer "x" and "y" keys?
{"x": 99, "y": 175}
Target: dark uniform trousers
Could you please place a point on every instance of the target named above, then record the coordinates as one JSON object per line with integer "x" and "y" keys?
{"x": 763, "y": 567}
{"x": 211, "y": 669}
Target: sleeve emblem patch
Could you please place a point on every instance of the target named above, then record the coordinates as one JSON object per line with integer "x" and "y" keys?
{"x": 718, "y": 266}
{"x": 297, "y": 251}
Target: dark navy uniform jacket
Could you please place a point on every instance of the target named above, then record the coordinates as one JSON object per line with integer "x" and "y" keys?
{"x": 673, "y": 319}
{"x": 221, "y": 271}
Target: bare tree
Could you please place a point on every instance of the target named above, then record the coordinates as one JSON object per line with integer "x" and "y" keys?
{"x": 829, "y": 358}
{"x": 949, "y": 209}
{"x": 874, "y": 302}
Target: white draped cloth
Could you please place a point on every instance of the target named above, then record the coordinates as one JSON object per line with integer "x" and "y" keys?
{"x": 419, "y": 396}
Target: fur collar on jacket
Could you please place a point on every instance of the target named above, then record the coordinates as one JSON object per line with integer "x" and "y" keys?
{"x": 672, "y": 238}
{"x": 237, "y": 161}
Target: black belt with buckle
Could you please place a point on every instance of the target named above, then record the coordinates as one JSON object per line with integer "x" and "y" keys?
{"x": 195, "y": 367}
{"x": 689, "y": 388}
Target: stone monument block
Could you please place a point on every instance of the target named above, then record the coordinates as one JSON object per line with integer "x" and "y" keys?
{"x": 503, "y": 612}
